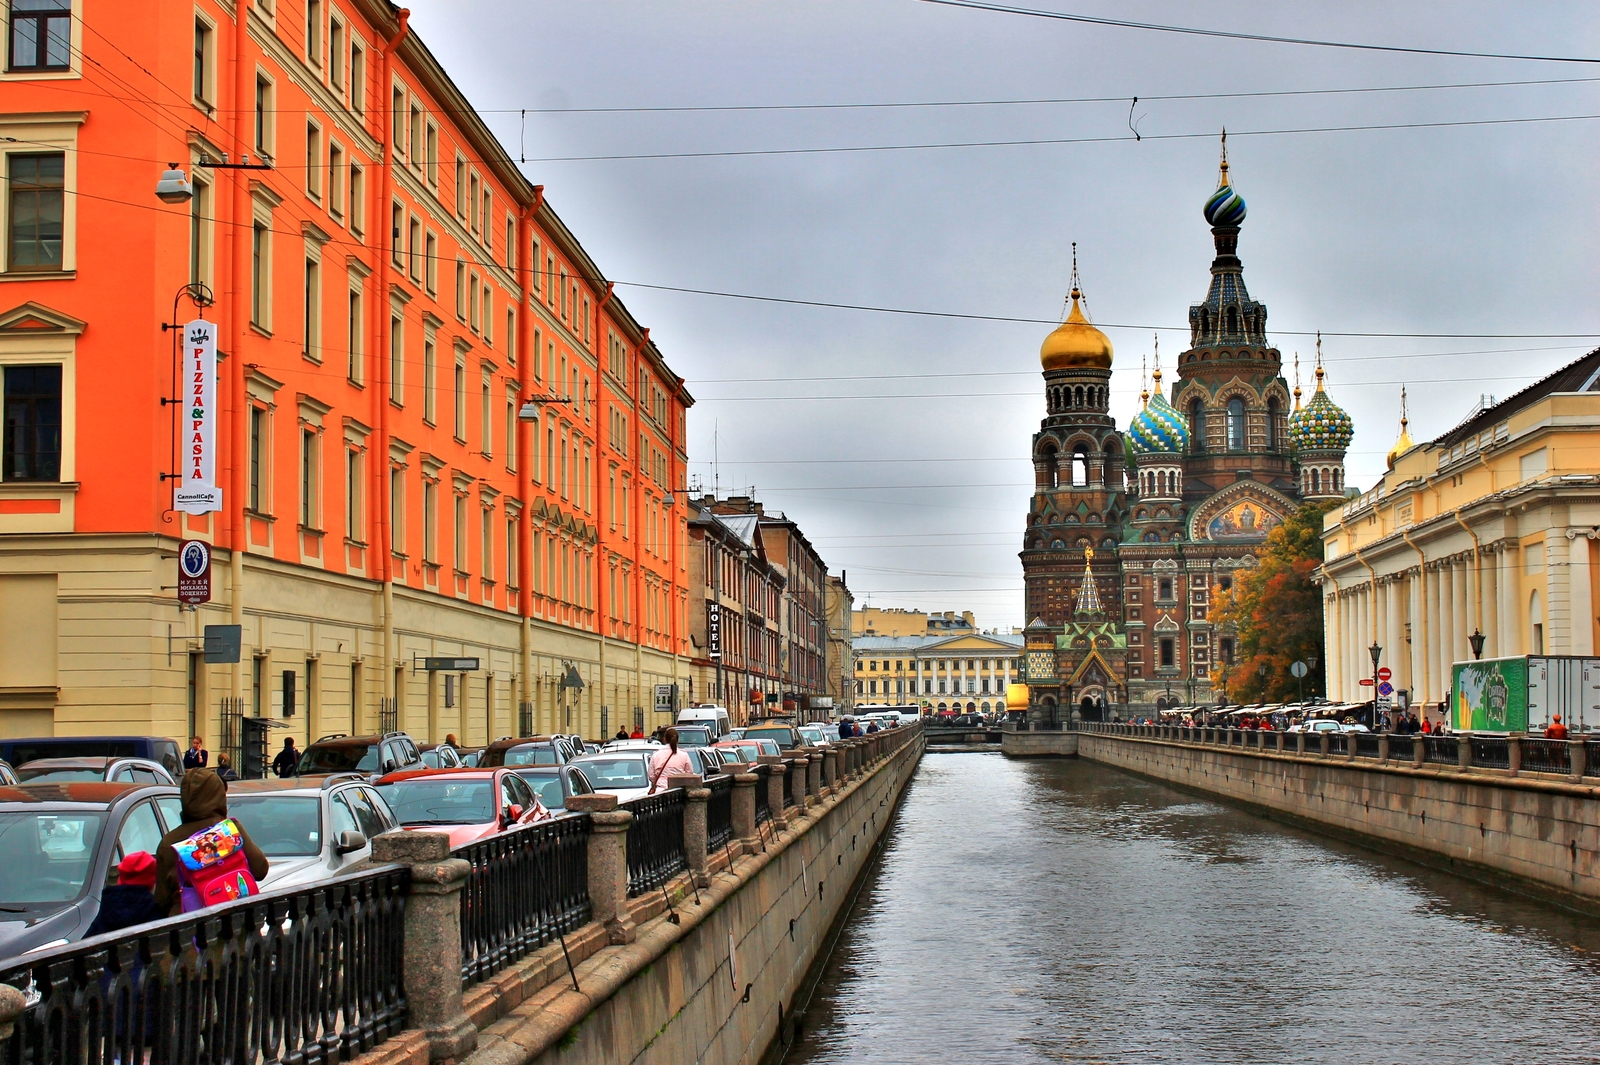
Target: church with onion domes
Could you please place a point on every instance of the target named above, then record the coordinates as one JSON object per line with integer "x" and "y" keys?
{"x": 1131, "y": 532}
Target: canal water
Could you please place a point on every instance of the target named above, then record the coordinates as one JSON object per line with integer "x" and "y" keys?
{"x": 1062, "y": 911}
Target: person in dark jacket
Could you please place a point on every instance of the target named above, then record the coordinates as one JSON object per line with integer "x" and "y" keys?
{"x": 225, "y": 767}
{"x": 205, "y": 802}
{"x": 845, "y": 731}
{"x": 195, "y": 757}
{"x": 288, "y": 758}
{"x": 130, "y": 900}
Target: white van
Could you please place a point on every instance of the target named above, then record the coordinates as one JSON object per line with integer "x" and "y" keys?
{"x": 716, "y": 717}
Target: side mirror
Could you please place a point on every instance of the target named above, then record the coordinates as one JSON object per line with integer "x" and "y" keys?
{"x": 350, "y": 840}
{"x": 388, "y": 765}
{"x": 513, "y": 813}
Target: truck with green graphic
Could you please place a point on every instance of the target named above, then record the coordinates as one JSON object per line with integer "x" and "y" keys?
{"x": 1507, "y": 695}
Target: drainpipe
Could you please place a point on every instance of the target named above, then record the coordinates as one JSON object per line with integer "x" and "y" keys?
{"x": 379, "y": 317}
{"x": 239, "y": 314}
{"x": 1422, "y": 615}
{"x": 524, "y": 445}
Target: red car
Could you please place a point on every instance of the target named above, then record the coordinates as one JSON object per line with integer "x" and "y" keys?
{"x": 469, "y": 804}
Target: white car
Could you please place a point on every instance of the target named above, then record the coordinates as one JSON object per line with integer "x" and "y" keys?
{"x": 816, "y": 735}
{"x": 310, "y": 830}
{"x": 623, "y": 772}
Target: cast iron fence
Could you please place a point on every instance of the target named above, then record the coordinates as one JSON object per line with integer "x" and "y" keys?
{"x": 1367, "y": 744}
{"x": 1338, "y": 742}
{"x": 1490, "y": 752}
{"x": 1442, "y": 750}
{"x": 526, "y": 887}
{"x": 719, "y": 811}
{"x": 655, "y": 840}
{"x": 1544, "y": 756}
{"x": 293, "y": 976}
{"x": 763, "y": 806}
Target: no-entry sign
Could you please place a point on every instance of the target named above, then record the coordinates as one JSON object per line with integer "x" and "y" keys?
{"x": 1384, "y": 673}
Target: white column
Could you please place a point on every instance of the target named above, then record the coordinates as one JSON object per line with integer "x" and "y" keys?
{"x": 1489, "y": 572}
{"x": 1330, "y": 643}
{"x": 1438, "y": 626}
{"x": 1579, "y": 595}
{"x": 1460, "y": 619}
{"x": 1396, "y": 653}
{"x": 1417, "y": 669}
{"x": 1510, "y": 630}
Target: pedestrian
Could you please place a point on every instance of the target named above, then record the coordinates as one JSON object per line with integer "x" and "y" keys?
{"x": 637, "y": 733}
{"x": 844, "y": 728}
{"x": 288, "y": 759}
{"x": 872, "y": 726}
{"x": 204, "y": 806}
{"x": 450, "y": 739}
{"x": 1427, "y": 727}
{"x": 225, "y": 767}
{"x": 622, "y": 734}
{"x": 131, "y": 900}
{"x": 195, "y": 757}
{"x": 668, "y": 762}
{"x": 1556, "y": 730}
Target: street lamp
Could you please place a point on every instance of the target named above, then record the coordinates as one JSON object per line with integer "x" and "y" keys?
{"x": 1476, "y": 641}
{"x": 1377, "y": 653}
{"x": 174, "y": 187}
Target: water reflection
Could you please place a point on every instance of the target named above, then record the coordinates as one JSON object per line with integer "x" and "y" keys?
{"x": 1066, "y": 912}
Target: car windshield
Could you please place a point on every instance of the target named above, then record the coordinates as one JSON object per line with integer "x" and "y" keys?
{"x": 283, "y": 826}
{"x": 781, "y": 737}
{"x": 533, "y": 754}
{"x": 441, "y": 801}
{"x": 548, "y": 787}
{"x": 47, "y": 855}
{"x": 339, "y": 758}
{"x": 610, "y": 773}
{"x": 694, "y": 736}
{"x": 58, "y": 775}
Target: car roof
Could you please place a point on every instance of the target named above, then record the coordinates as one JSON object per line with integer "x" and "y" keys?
{"x": 455, "y": 774}
{"x": 86, "y": 762}
{"x": 81, "y": 739}
{"x": 309, "y": 784}
{"x": 82, "y": 792}
{"x": 508, "y": 743}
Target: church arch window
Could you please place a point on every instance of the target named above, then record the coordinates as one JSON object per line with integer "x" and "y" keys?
{"x": 1233, "y": 320}
{"x": 1080, "y": 467}
{"x": 1316, "y": 483}
{"x": 1235, "y": 424}
{"x": 1272, "y": 424}
{"x": 1197, "y": 427}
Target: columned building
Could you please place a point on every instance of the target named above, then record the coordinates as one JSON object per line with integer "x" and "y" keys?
{"x": 1129, "y": 534}
{"x": 964, "y": 673}
{"x": 1489, "y": 531}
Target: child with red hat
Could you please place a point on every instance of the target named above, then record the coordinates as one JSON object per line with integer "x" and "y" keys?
{"x": 132, "y": 899}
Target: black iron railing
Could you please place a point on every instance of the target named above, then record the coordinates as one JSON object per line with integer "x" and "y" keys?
{"x": 1367, "y": 744}
{"x": 1540, "y": 755}
{"x": 293, "y": 976}
{"x": 1490, "y": 752}
{"x": 1441, "y": 750}
{"x": 763, "y": 806}
{"x": 655, "y": 840}
{"x": 719, "y": 811}
{"x": 1338, "y": 742}
{"x": 526, "y": 887}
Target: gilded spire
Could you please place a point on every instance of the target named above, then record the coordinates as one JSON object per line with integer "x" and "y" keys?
{"x": 1297, "y": 380}
{"x": 1144, "y": 383}
{"x": 1404, "y": 443}
{"x": 1222, "y": 176}
{"x": 1319, "y": 360}
{"x": 1088, "y": 594}
{"x": 1157, "y": 375}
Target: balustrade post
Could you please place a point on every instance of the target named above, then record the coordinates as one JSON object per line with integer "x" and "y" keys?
{"x": 1299, "y": 743}
{"x": 744, "y": 808}
{"x": 608, "y": 862}
{"x": 775, "y": 777}
{"x": 798, "y": 768}
{"x": 1463, "y": 752}
{"x": 694, "y": 824}
{"x": 431, "y": 964}
{"x": 1514, "y": 754}
{"x": 1383, "y": 747}
{"x": 1419, "y": 750}
{"x": 830, "y": 769}
{"x": 1577, "y": 758}
{"x": 1350, "y": 746}
{"x": 1322, "y": 738}
{"x": 814, "y": 777}
{"x": 1278, "y": 741}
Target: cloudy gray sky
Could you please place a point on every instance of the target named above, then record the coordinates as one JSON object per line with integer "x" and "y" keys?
{"x": 899, "y": 441}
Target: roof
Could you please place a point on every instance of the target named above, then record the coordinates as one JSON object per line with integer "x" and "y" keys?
{"x": 928, "y": 642}
{"x": 1580, "y": 376}
{"x": 94, "y": 792}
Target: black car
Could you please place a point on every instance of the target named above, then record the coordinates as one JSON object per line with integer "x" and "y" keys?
{"x": 155, "y": 748}
{"x": 393, "y": 752}
{"x": 555, "y": 784}
{"x": 60, "y": 843}
{"x": 529, "y": 750}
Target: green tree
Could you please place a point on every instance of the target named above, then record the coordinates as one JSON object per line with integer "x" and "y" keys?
{"x": 1274, "y": 613}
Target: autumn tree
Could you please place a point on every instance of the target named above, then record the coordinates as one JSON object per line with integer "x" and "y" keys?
{"x": 1274, "y": 613}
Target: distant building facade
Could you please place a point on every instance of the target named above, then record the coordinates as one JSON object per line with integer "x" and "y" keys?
{"x": 841, "y": 649}
{"x": 964, "y": 672}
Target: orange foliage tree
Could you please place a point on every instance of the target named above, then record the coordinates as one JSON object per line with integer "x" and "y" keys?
{"x": 1274, "y": 613}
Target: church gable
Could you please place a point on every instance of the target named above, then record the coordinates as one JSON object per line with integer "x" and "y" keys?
{"x": 1243, "y": 512}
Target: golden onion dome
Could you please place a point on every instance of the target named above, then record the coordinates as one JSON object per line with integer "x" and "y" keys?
{"x": 1075, "y": 344}
{"x": 1404, "y": 444}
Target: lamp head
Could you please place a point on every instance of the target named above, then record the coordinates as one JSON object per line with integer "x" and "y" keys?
{"x": 174, "y": 187}
{"x": 1376, "y": 652}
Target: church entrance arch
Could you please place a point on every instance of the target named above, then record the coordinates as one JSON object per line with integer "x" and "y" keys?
{"x": 1092, "y": 702}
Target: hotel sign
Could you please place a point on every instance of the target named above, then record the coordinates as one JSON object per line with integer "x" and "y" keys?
{"x": 197, "y": 491}
{"x": 714, "y": 629}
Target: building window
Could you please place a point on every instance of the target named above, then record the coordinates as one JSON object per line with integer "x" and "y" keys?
{"x": 512, "y": 546}
{"x": 41, "y": 34}
{"x": 1164, "y": 589}
{"x": 309, "y": 346}
{"x": 353, "y": 339}
{"x": 433, "y": 155}
{"x": 511, "y": 428}
{"x": 308, "y": 478}
{"x": 485, "y": 421}
{"x": 397, "y": 510}
{"x": 1236, "y": 424}
{"x": 358, "y": 200}
{"x": 358, "y": 79}
{"x": 336, "y": 181}
{"x": 1197, "y": 428}
{"x": 461, "y": 533}
{"x": 397, "y": 349}
{"x": 202, "y": 62}
{"x": 258, "y": 459}
{"x": 313, "y": 161}
{"x": 431, "y": 263}
{"x": 430, "y": 369}
{"x": 336, "y": 55}
{"x": 200, "y": 234}
{"x": 397, "y": 217}
{"x": 36, "y": 211}
{"x": 314, "y": 32}
{"x": 414, "y": 244}
{"x": 352, "y": 495}
{"x": 1169, "y": 652}
{"x": 1225, "y": 649}
{"x": 430, "y": 522}
{"x": 486, "y": 548}
{"x": 259, "y": 252}
{"x": 263, "y": 116}
{"x": 461, "y": 400}
{"x": 32, "y": 405}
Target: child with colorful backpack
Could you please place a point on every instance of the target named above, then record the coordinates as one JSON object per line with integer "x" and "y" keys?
{"x": 209, "y": 859}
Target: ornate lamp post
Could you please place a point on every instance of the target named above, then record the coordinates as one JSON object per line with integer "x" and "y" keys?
{"x": 1377, "y": 654}
{"x": 1476, "y": 642}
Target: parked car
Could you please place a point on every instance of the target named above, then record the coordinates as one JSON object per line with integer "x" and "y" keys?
{"x": 1321, "y": 724}
{"x": 787, "y": 737}
{"x": 707, "y": 761}
{"x": 529, "y": 750}
{"x": 624, "y": 773}
{"x": 7, "y": 775}
{"x": 816, "y": 735}
{"x": 440, "y": 756}
{"x": 60, "y": 843}
{"x": 695, "y": 736}
{"x": 469, "y": 804}
{"x": 155, "y": 748}
{"x": 748, "y": 751}
{"x": 308, "y": 829}
{"x": 393, "y": 752}
{"x": 734, "y": 734}
{"x": 72, "y": 770}
{"x": 555, "y": 784}
{"x": 629, "y": 745}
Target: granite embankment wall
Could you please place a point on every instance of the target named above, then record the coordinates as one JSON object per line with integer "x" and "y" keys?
{"x": 717, "y": 986}
{"x": 1539, "y": 832}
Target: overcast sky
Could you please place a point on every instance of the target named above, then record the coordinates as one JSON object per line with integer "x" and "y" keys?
{"x": 911, "y": 472}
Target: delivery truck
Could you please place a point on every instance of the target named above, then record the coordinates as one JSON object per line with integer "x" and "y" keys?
{"x": 1508, "y": 695}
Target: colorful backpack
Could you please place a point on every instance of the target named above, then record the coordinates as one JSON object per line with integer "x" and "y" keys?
{"x": 212, "y": 868}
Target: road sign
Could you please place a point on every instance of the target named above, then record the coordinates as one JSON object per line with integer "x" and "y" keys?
{"x": 450, "y": 665}
{"x": 1366, "y": 682}
{"x": 1384, "y": 673}
{"x": 1385, "y": 689}
{"x": 1299, "y": 669}
{"x": 1383, "y": 702}
{"x": 222, "y": 643}
{"x": 666, "y": 698}
{"x": 194, "y": 572}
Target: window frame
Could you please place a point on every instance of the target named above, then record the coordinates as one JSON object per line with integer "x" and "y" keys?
{"x": 74, "y": 19}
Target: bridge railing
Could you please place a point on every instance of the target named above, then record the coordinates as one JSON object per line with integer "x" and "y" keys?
{"x": 526, "y": 887}
{"x": 297, "y": 975}
{"x": 719, "y": 811}
{"x": 655, "y": 840}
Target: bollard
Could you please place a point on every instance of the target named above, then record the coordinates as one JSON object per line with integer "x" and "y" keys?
{"x": 798, "y": 769}
{"x": 431, "y": 965}
{"x": 1419, "y": 750}
{"x": 775, "y": 775}
{"x": 1577, "y": 758}
{"x": 830, "y": 769}
{"x": 1514, "y": 754}
{"x": 608, "y": 863}
{"x": 1383, "y": 748}
{"x": 814, "y": 777}
{"x": 744, "y": 807}
{"x": 694, "y": 825}
{"x": 1463, "y": 752}
{"x": 12, "y": 1005}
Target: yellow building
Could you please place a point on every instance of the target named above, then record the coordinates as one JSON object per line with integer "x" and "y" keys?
{"x": 898, "y": 621}
{"x": 1493, "y": 528}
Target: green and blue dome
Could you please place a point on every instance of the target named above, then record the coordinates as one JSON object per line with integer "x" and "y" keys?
{"x": 1320, "y": 425}
{"x": 1160, "y": 428}
{"x": 1225, "y": 207}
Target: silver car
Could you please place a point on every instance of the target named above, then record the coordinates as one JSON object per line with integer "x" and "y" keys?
{"x": 111, "y": 770}
{"x": 310, "y": 829}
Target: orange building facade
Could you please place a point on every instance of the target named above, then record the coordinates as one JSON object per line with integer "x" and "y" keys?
{"x": 389, "y": 292}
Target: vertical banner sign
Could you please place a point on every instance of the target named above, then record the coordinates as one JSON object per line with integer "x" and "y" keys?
{"x": 197, "y": 491}
{"x": 714, "y": 630}
{"x": 194, "y": 572}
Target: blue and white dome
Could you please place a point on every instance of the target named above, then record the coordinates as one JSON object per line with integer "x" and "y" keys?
{"x": 1159, "y": 428}
{"x": 1225, "y": 207}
